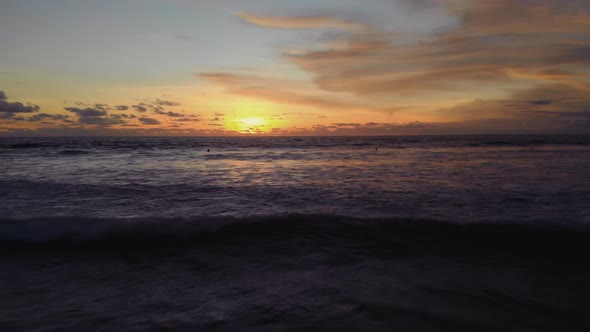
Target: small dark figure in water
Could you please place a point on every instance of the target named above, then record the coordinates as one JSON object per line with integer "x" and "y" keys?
{"x": 207, "y": 150}
{"x": 376, "y": 149}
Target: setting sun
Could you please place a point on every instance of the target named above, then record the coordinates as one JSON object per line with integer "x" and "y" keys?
{"x": 253, "y": 122}
{"x": 251, "y": 125}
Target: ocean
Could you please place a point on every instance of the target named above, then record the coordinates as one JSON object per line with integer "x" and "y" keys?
{"x": 409, "y": 233}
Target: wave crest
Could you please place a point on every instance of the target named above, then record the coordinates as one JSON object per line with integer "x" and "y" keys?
{"x": 78, "y": 236}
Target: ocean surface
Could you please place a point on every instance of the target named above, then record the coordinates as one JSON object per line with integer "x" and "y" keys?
{"x": 415, "y": 233}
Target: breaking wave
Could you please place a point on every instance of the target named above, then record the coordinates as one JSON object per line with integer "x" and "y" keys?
{"x": 292, "y": 273}
{"x": 78, "y": 235}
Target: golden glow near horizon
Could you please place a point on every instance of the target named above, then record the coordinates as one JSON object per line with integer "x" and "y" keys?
{"x": 252, "y": 125}
{"x": 247, "y": 125}
{"x": 249, "y": 116}
{"x": 237, "y": 67}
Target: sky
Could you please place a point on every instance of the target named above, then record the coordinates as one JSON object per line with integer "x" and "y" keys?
{"x": 286, "y": 67}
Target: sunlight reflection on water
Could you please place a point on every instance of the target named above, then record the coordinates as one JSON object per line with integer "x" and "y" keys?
{"x": 164, "y": 177}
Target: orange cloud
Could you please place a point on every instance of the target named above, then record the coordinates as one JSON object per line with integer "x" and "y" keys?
{"x": 287, "y": 92}
{"x": 549, "y": 108}
{"x": 499, "y": 42}
{"x": 301, "y": 22}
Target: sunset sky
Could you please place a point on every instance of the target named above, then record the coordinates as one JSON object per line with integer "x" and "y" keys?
{"x": 282, "y": 67}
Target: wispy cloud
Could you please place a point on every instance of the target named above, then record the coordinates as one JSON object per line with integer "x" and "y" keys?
{"x": 45, "y": 116}
{"x": 498, "y": 42}
{"x": 170, "y": 114}
{"x": 286, "y": 92}
{"x": 149, "y": 121}
{"x": 301, "y": 22}
{"x": 160, "y": 102}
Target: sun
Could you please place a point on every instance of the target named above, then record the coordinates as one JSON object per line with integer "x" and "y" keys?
{"x": 253, "y": 125}
{"x": 253, "y": 122}
{"x": 252, "y": 117}
{"x": 249, "y": 125}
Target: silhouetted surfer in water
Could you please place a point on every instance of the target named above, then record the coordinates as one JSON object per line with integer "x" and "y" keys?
{"x": 207, "y": 150}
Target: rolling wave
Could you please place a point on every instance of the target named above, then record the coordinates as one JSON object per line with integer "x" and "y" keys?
{"x": 371, "y": 236}
{"x": 292, "y": 273}
{"x": 146, "y": 143}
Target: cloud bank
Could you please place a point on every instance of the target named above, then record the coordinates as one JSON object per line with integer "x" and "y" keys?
{"x": 8, "y": 109}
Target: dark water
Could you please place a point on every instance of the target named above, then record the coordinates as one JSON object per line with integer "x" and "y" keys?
{"x": 445, "y": 233}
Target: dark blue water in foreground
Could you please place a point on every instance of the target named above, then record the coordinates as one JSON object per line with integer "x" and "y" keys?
{"x": 446, "y": 233}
